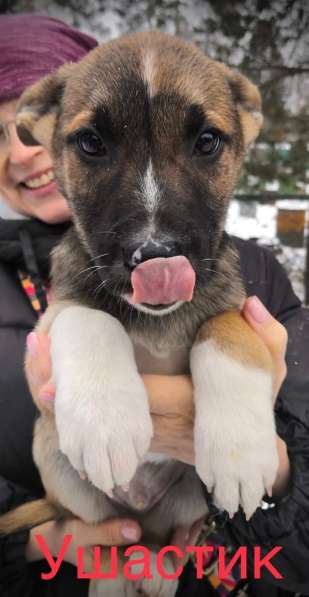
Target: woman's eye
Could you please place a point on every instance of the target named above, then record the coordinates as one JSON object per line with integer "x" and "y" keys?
{"x": 208, "y": 143}
{"x": 91, "y": 144}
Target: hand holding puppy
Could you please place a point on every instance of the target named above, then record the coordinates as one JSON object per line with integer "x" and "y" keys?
{"x": 116, "y": 531}
{"x": 171, "y": 397}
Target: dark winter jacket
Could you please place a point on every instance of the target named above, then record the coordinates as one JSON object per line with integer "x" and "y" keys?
{"x": 286, "y": 524}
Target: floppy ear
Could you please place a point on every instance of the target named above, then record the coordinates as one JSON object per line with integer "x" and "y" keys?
{"x": 38, "y": 108}
{"x": 249, "y": 104}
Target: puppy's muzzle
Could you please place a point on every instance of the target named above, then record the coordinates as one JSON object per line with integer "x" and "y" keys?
{"x": 151, "y": 249}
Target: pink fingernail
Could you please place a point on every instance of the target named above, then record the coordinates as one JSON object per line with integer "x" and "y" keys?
{"x": 33, "y": 344}
{"x": 257, "y": 310}
{"x": 129, "y": 533}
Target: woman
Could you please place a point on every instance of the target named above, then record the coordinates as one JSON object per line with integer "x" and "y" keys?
{"x": 26, "y": 183}
{"x": 30, "y": 47}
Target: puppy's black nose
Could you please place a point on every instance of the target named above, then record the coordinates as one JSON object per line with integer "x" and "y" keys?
{"x": 134, "y": 255}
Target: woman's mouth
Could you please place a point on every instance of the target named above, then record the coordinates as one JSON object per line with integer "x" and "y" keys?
{"x": 39, "y": 181}
{"x": 40, "y": 184}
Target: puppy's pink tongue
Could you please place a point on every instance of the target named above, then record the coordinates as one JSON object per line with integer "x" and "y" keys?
{"x": 162, "y": 281}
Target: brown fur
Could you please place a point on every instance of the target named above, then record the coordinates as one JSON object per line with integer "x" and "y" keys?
{"x": 79, "y": 121}
{"x": 235, "y": 337}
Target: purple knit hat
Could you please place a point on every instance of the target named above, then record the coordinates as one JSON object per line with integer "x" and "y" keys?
{"x": 32, "y": 46}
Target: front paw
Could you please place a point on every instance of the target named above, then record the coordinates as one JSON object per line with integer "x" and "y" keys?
{"x": 107, "y": 439}
{"x": 101, "y": 405}
{"x": 235, "y": 438}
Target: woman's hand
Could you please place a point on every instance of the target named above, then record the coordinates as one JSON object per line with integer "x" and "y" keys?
{"x": 112, "y": 532}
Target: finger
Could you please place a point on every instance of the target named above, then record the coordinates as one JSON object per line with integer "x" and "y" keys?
{"x": 272, "y": 333}
{"x": 180, "y": 539}
{"x": 47, "y": 395}
{"x": 180, "y": 536}
{"x": 184, "y": 536}
{"x": 38, "y": 363}
{"x": 195, "y": 530}
{"x": 117, "y": 531}
{"x": 267, "y": 327}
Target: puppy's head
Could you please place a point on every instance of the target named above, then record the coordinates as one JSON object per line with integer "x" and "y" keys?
{"x": 147, "y": 135}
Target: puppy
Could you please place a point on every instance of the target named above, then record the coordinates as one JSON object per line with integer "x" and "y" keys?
{"x": 148, "y": 135}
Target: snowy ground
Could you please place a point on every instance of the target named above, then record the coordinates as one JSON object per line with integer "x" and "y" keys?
{"x": 253, "y": 220}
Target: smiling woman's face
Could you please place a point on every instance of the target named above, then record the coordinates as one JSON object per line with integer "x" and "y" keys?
{"x": 26, "y": 176}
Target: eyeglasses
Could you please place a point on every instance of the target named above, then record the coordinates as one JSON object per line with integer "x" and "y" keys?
{"x": 5, "y": 135}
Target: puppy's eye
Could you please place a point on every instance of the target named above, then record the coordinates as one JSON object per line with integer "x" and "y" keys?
{"x": 208, "y": 143}
{"x": 90, "y": 144}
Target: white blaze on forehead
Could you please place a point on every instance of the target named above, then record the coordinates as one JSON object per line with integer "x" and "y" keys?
{"x": 150, "y": 193}
{"x": 148, "y": 73}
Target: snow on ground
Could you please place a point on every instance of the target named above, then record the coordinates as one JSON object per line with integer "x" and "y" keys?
{"x": 254, "y": 220}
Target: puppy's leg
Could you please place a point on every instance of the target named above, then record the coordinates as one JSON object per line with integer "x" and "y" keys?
{"x": 101, "y": 405}
{"x": 158, "y": 585}
{"x": 113, "y": 587}
{"x": 62, "y": 482}
{"x": 182, "y": 505}
{"x": 235, "y": 438}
